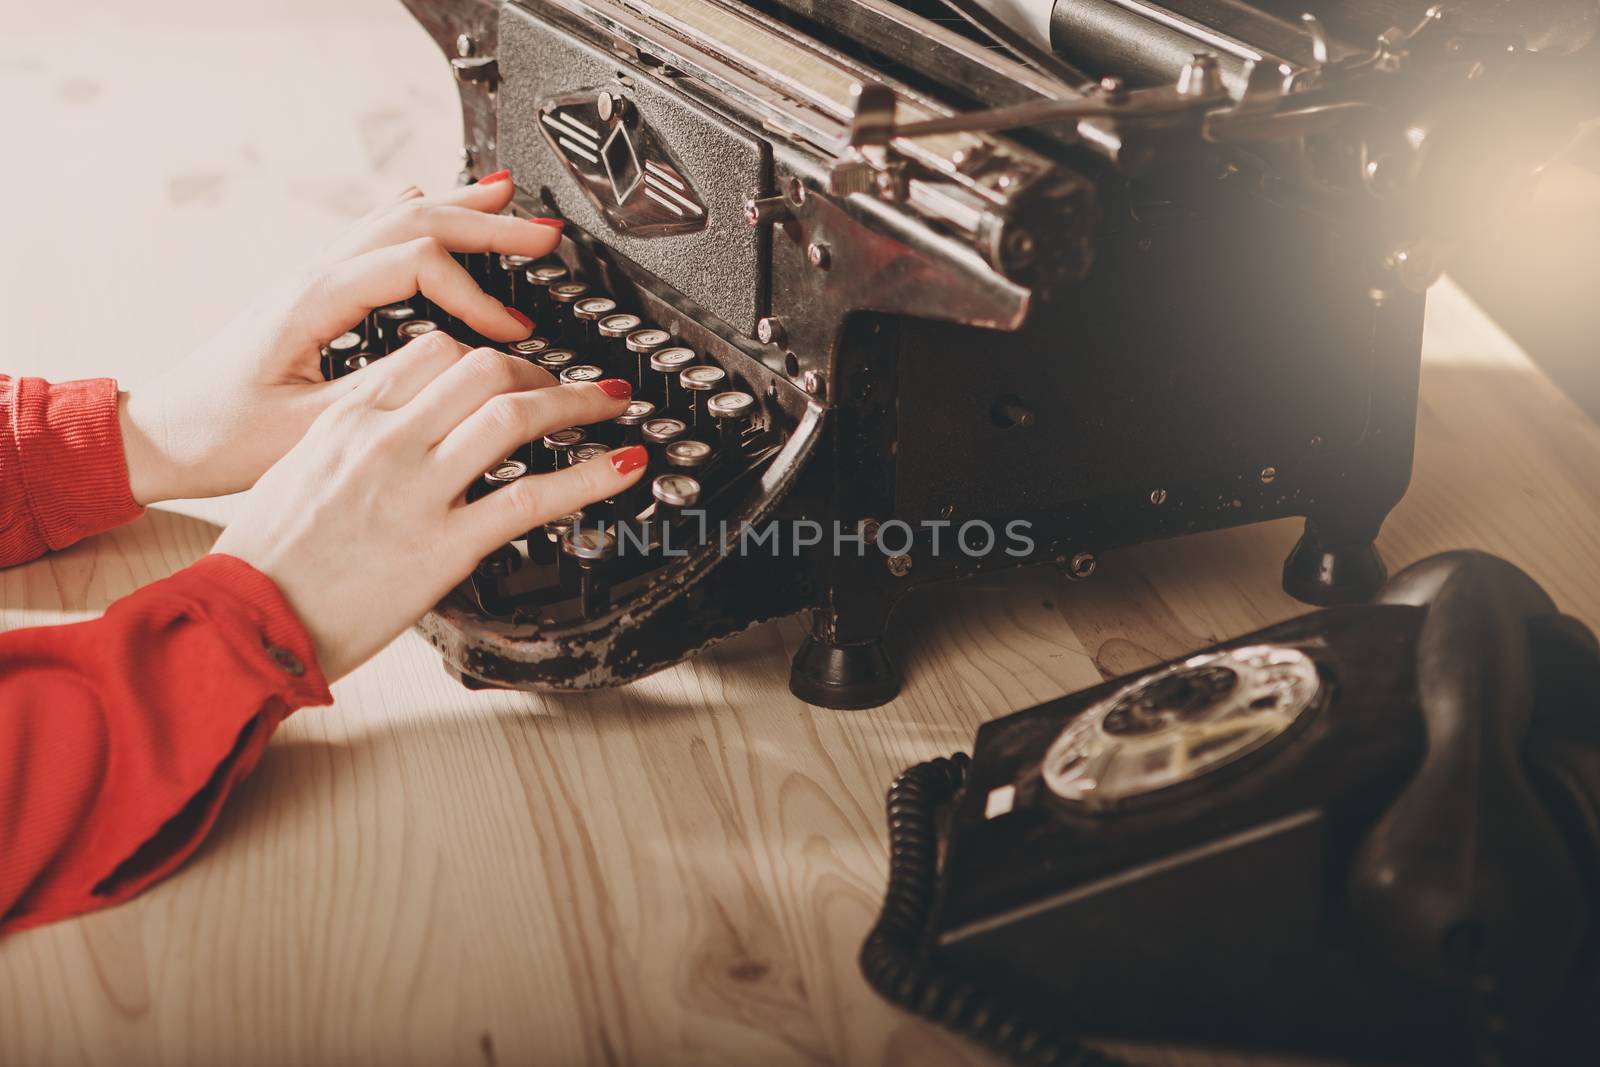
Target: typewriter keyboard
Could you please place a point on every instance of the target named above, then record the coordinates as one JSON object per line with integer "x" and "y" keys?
{"x": 706, "y": 438}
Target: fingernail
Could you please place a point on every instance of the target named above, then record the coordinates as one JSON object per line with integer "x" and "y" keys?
{"x": 630, "y": 459}
{"x": 497, "y": 176}
{"x": 616, "y": 388}
{"x": 520, "y": 317}
{"x": 555, "y": 224}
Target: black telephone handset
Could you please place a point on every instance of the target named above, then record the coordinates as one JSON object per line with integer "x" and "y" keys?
{"x": 1469, "y": 875}
{"x": 1370, "y": 831}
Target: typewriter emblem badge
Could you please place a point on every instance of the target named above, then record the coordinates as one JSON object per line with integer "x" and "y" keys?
{"x": 621, "y": 165}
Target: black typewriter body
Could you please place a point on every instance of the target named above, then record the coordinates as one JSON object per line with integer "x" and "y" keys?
{"x": 1194, "y": 303}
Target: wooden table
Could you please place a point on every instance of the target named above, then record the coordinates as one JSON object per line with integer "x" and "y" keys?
{"x": 679, "y": 872}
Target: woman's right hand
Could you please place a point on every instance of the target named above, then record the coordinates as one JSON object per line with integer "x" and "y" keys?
{"x": 363, "y": 524}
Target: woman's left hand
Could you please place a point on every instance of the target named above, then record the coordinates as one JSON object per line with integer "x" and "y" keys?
{"x": 216, "y": 422}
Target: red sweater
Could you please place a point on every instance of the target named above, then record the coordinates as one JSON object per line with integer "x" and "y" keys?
{"x": 120, "y": 738}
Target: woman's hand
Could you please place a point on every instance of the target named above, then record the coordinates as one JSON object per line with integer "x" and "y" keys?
{"x": 363, "y": 524}
{"x": 213, "y": 424}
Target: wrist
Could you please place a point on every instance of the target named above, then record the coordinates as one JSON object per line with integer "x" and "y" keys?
{"x": 150, "y": 471}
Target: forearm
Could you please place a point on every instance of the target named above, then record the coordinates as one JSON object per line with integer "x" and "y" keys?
{"x": 120, "y": 738}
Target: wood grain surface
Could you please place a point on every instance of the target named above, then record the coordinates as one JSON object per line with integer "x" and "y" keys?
{"x": 679, "y": 872}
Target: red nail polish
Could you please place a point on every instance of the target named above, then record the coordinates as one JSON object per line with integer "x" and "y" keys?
{"x": 616, "y": 388}
{"x": 497, "y": 176}
{"x": 520, "y": 317}
{"x": 629, "y": 459}
{"x": 555, "y": 224}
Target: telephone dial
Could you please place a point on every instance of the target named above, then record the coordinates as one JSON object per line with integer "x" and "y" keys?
{"x": 1372, "y": 832}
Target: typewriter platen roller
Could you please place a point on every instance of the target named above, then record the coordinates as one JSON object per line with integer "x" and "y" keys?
{"x": 1145, "y": 270}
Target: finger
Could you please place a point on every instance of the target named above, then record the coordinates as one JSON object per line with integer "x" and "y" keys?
{"x": 393, "y": 381}
{"x": 506, "y": 422}
{"x": 492, "y": 192}
{"x": 349, "y": 289}
{"x": 465, "y": 230}
{"x": 445, "y": 402}
{"x": 531, "y": 502}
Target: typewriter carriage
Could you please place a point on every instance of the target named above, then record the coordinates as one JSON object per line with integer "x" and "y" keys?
{"x": 1056, "y": 268}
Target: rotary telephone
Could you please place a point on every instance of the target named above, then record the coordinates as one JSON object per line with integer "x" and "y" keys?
{"x": 1372, "y": 831}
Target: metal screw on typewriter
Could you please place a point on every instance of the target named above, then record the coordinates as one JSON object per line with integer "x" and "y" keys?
{"x": 699, "y": 383}
{"x": 667, "y": 364}
{"x": 592, "y": 549}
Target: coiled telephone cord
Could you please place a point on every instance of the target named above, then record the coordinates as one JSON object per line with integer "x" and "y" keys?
{"x": 892, "y": 958}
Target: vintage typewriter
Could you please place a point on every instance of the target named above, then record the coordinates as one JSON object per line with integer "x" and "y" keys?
{"x": 919, "y": 290}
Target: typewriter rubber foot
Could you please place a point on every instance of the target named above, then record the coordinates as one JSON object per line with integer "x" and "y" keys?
{"x": 1326, "y": 575}
{"x": 843, "y": 677}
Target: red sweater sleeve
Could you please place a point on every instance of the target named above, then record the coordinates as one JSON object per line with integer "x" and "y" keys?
{"x": 120, "y": 738}
{"x": 63, "y": 475}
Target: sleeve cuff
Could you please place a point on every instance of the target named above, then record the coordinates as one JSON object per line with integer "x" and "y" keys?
{"x": 287, "y": 649}
{"x": 71, "y": 462}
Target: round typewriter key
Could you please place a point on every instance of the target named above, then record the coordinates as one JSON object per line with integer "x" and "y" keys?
{"x": 616, "y": 327}
{"x": 689, "y": 455}
{"x": 591, "y": 548}
{"x": 387, "y": 320}
{"x": 511, "y": 282}
{"x": 635, "y": 415}
{"x": 545, "y": 275}
{"x": 538, "y": 279}
{"x": 668, "y": 363}
{"x": 561, "y": 442}
{"x": 594, "y": 308}
{"x": 351, "y": 364}
{"x": 339, "y": 351}
{"x": 585, "y": 452}
{"x": 498, "y": 477}
{"x": 733, "y": 411}
{"x": 563, "y": 297}
{"x": 583, "y": 372}
{"x": 673, "y": 493}
{"x": 662, "y": 431}
{"x": 415, "y": 328}
{"x": 588, "y": 312}
{"x": 530, "y": 348}
{"x": 557, "y": 360}
{"x": 555, "y": 534}
{"x": 700, "y": 382}
{"x": 612, "y": 336}
{"x": 643, "y": 344}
